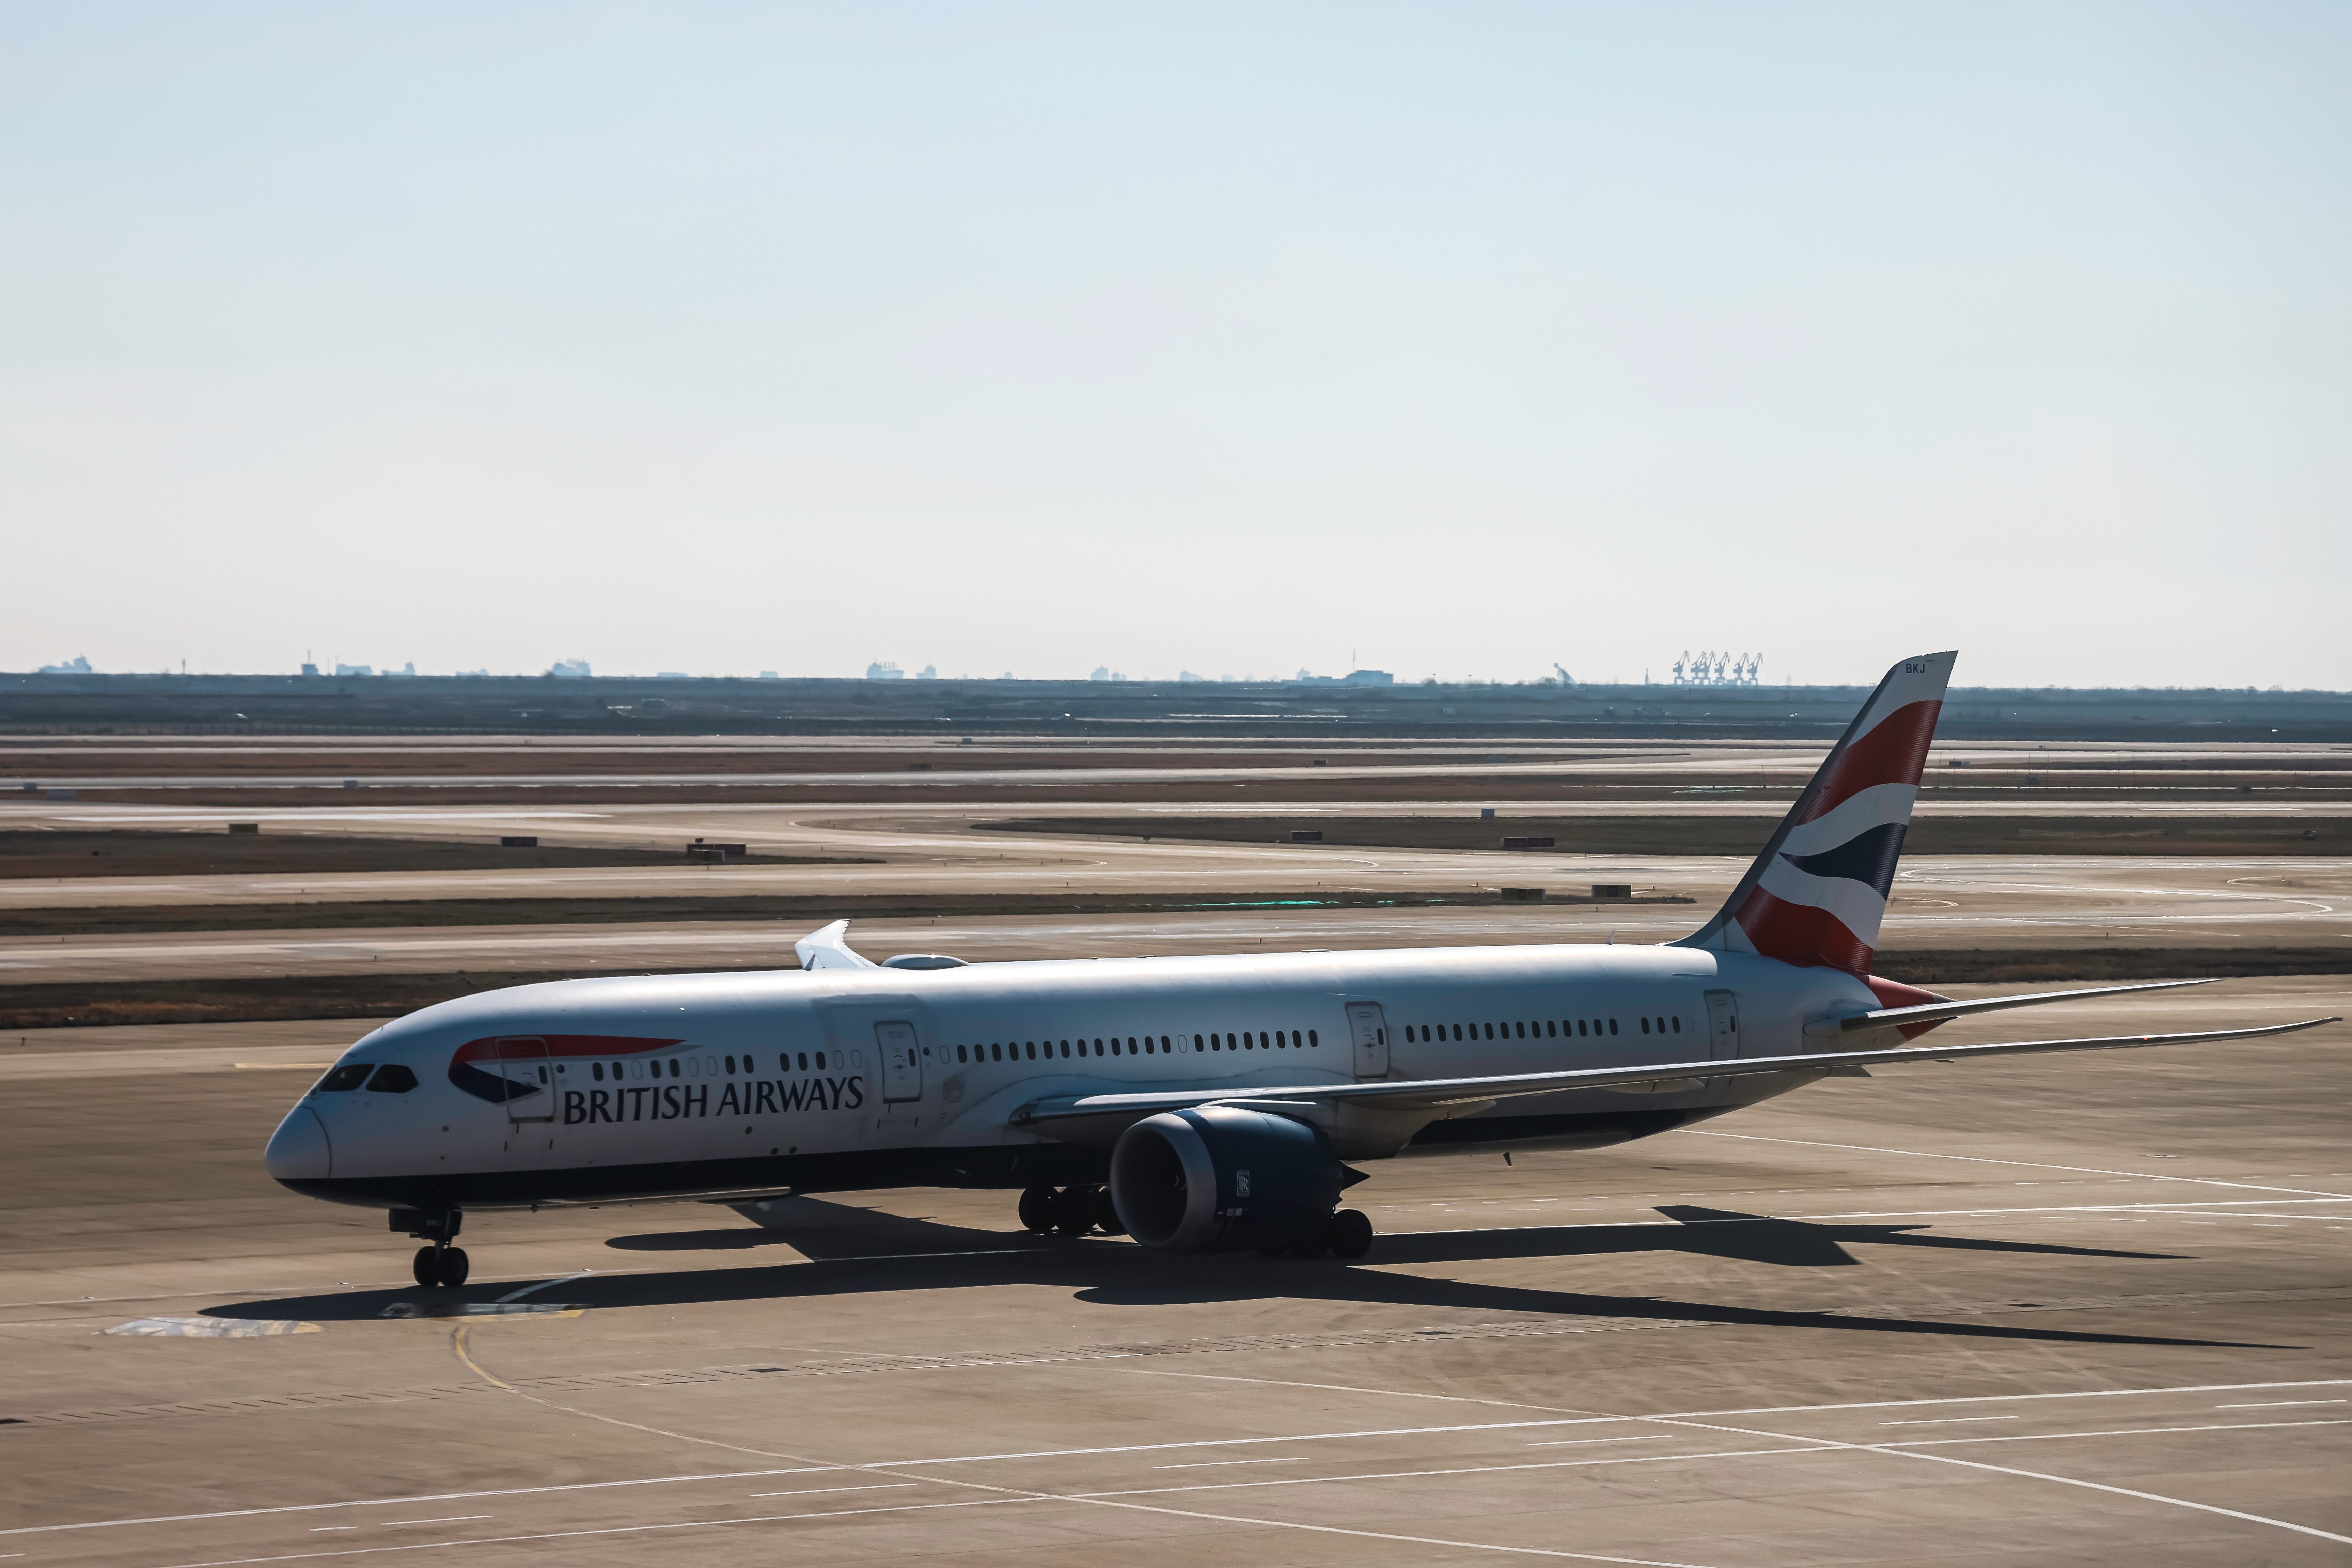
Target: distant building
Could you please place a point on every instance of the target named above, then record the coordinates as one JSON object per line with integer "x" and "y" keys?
{"x": 769, "y": 674}
{"x": 569, "y": 669}
{"x": 1185, "y": 676}
{"x": 354, "y": 669}
{"x": 929, "y": 672}
{"x": 672, "y": 675}
{"x": 1102, "y": 672}
{"x": 309, "y": 669}
{"x": 405, "y": 672}
{"x": 1371, "y": 677}
{"x": 885, "y": 670}
{"x": 474, "y": 674}
{"x": 76, "y": 665}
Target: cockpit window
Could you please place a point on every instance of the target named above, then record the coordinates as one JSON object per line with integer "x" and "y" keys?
{"x": 349, "y": 1075}
{"x": 392, "y": 1079}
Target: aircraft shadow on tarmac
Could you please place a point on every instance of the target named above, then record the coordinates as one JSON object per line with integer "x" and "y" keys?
{"x": 851, "y": 1251}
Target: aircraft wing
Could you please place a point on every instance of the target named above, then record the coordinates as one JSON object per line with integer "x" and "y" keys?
{"x": 1436, "y": 1094}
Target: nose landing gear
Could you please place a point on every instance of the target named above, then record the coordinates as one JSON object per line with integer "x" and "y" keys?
{"x": 438, "y": 1262}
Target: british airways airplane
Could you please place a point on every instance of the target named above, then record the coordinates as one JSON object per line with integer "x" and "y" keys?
{"x": 1194, "y": 1104}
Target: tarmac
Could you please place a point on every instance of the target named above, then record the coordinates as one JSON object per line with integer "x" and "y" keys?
{"x": 2065, "y": 1310}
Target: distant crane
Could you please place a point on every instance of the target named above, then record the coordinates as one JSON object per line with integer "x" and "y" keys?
{"x": 1565, "y": 678}
{"x": 1714, "y": 668}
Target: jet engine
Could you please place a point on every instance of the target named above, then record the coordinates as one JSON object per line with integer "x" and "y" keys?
{"x": 1220, "y": 1178}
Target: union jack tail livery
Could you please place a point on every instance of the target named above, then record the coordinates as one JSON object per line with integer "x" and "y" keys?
{"x": 1817, "y": 894}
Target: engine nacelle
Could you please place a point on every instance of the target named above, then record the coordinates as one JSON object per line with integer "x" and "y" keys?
{"x": 1217, "y": 1178}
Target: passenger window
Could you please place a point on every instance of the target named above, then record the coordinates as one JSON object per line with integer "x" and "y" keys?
{"x": 1522, "y": 1029}
{"x": 1645, "y": 1026}
{"x": 392, "y": 1079}
{"x": 819, "y": 1062}
{"x": 1579, "y": 1026}
{"x": 1196, "y": 1042}
{"x": 1457, "y": 1031}
{"x": 995, "y": 1053}
{"x": 1114, "y": 1047}
{"x": 959, "y": 1053}
{"x": 1612, "y": 1026}
{"x": 1548, "y": 1029}
{"x": 350, "y": 1076}
{"x": 597, "y": 1070}
{"x": 1311, "y": 1041}
{"x": 1678, "y": 1023}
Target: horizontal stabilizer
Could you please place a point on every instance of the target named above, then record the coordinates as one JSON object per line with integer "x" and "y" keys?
{"x": 1938, "y": 1011}
{"x": 1437, "y": 1094}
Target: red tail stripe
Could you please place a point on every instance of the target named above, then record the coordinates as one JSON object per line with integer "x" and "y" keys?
{"x": 1896, "y": 752}
{"x": 1801, "y": 933}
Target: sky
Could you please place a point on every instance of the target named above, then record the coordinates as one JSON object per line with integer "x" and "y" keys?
{"x": 1447, "y": 340}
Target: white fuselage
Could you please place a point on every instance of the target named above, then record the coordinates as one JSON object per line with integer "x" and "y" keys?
{"x": 831, "y": 1080}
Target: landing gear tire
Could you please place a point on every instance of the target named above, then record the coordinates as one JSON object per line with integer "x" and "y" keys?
{"x": 453, "y": 1267}
{"x": 427, "y": 1267}
{"x": 1037, "y": 1206}
{"x": 1351, "y": 1233}
{"x": 1074, "y": 1211}
{"x": 1106, "y": 1212}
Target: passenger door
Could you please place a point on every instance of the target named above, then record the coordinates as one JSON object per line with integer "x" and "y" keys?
{"x": 1722, "y": 1026}
{"x": 1369, "y": 1027}
{"x": 902, "y": 1061}
{"x": 531, "y": 1082}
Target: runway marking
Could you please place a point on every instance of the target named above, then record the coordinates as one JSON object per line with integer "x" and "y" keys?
{"x": 424, "y": 1497}
{"x": 609, "y": 1530}
{"x": 813, "y": 1492}
{"x": 911, "y": 1507}
{"x": 2004, "y": 1398}
{"x": 543, "y": 1285}
{"x": 2025, "y": 1164}
{"x": 2276, "y": 1403}
{"x": 2125, "y": 1431}
{"x": 1212, "y": 1464}
{"x": 2119, "y": 1491}
{"x": 1810, "y": 1447}
{"x": 1349, "y": 1388}
{"x": 1945, "y": 1420}
{"x": 447, "y": 1519}
{"x": 1576, "y": 1442}
{"x": 1158, "y": 1448}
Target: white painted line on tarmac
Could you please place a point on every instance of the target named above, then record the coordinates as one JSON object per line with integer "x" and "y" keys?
{"x": 2024, "y": 1164}
{"x": 1810, "y": 1447}
{"x": 1945, "y": 1420}
{"x": 2276, "y": 1403}
{"x": 543, "y": 1285}
{"x": 610, "y": 1529}
{"x": 2124, "y": 1432}
{"x": 426, "y": 1497}
{"x": 2119, "y": 1491}
{"x": 813, "y": 1492}
{"x": 1214, "y": 1464}
{"x": 2007, "y": 1398}
{"x": 1583, "y": 1442}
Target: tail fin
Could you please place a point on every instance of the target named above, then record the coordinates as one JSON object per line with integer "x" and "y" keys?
{"x": 1818, "y": 892}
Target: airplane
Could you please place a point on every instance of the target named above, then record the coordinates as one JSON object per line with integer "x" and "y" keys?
{"x": 1198, "y": 1104}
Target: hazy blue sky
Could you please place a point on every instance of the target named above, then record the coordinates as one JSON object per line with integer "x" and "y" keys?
{"x": 1457, "y": 339}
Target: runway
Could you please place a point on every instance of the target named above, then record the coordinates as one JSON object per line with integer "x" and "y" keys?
{"x": 1972, "y": 902}
{"x": 2069, "y": 1310}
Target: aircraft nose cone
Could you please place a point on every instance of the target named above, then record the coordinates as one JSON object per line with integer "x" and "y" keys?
{"x": 298, "y": 1150}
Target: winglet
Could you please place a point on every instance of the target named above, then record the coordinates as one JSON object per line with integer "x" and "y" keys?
{"x": 828, "y": 948}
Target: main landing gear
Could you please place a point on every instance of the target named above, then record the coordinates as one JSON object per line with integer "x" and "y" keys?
{"x": 1072, "y": 1211}
{"x": 438, "y": 1262}
{"x": 1347, "y": 1235}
